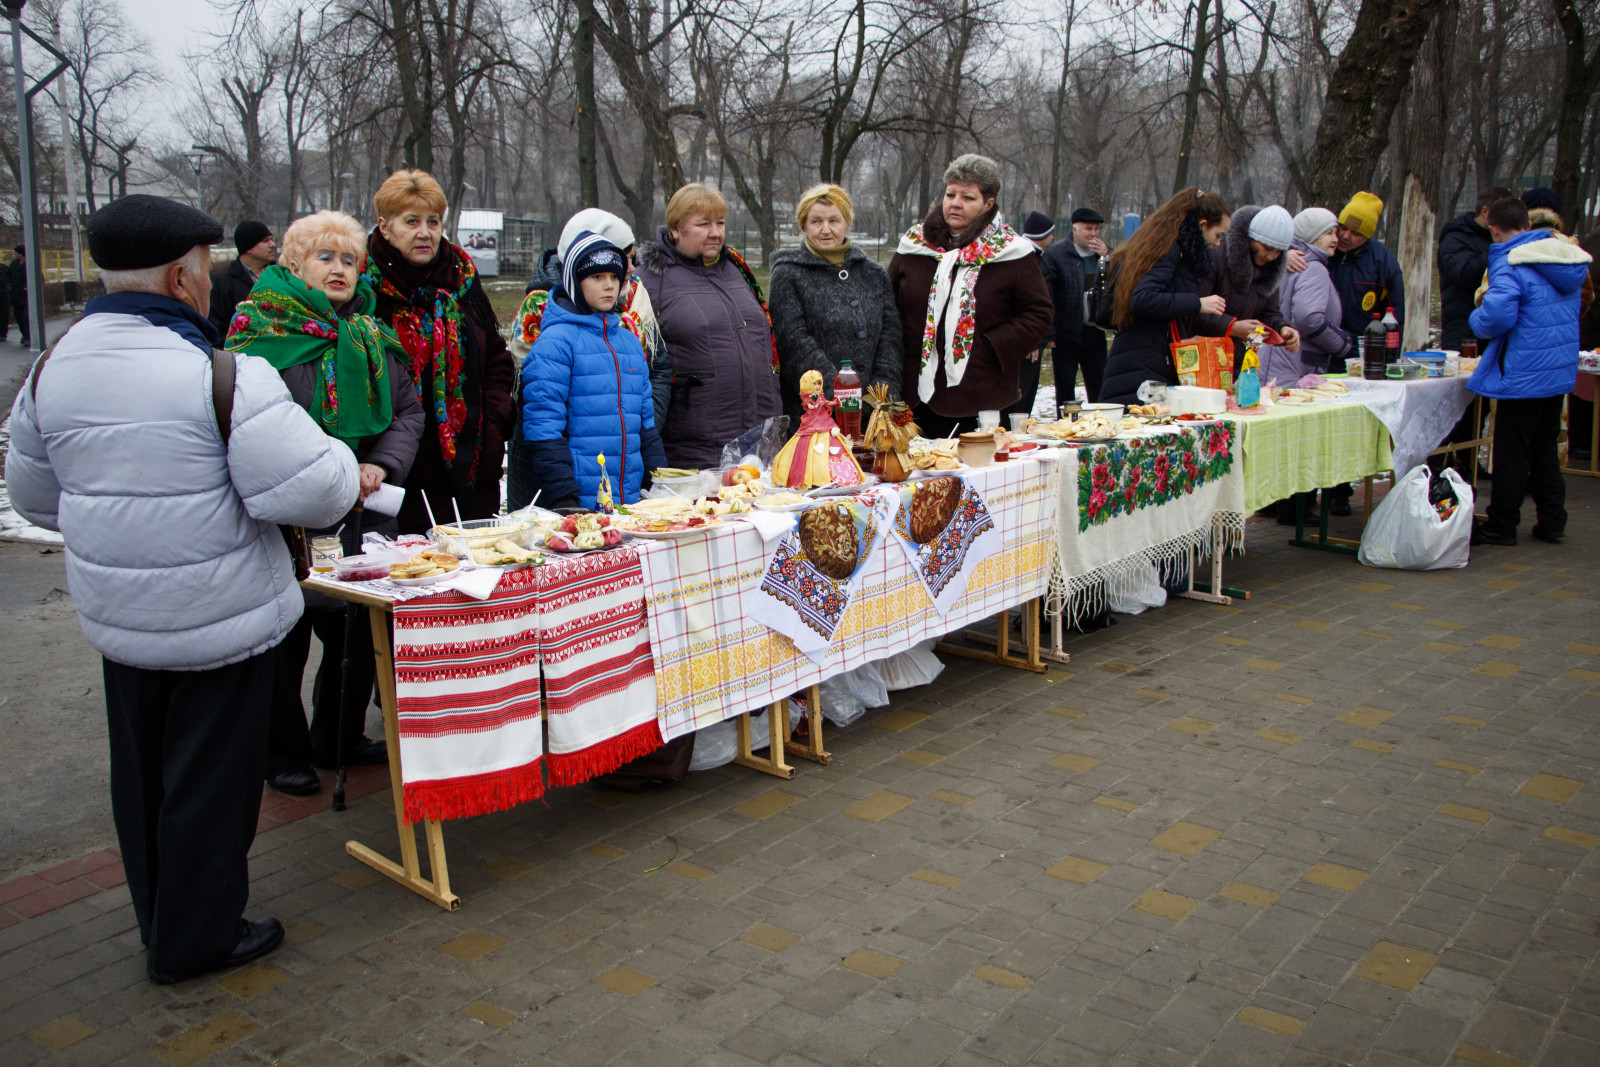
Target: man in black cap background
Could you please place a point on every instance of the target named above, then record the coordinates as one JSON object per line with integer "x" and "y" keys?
{"x": 17, "y": 295}
{"x": 231, "y": 284}
{"x": 1072, "y": 267}
{"x": 1091, "y": 251}
{"x": 168, "y": 487}
{"x": 1041, "y": 230}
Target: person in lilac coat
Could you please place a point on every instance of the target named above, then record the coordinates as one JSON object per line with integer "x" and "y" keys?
{"x": 1310, "y": 304}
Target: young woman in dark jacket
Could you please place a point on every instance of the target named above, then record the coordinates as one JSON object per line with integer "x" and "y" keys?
{"x": 829, "y": 303}
{"x": 1155, "y": 282}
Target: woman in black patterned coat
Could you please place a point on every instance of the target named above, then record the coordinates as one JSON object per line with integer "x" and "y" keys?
{"x": 829, "y": 302}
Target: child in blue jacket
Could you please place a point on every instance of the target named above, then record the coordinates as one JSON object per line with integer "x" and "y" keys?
{"x": 586, "y": 387}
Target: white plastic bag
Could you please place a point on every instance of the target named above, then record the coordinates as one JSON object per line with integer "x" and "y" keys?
{"x": 1143, "y": 592}
{"x": 718, "y": 743}
{"x": 911, "y": 668}
{"x": 1406, "y": 533}
{"x": 846, "y": 697}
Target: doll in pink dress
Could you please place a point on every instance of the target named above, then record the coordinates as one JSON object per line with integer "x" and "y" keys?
{"x": 818, "y": 453}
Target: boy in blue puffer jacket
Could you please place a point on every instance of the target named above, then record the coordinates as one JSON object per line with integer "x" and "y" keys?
{"x": 1530, "y": 315}
{"x": 586, "y": 387}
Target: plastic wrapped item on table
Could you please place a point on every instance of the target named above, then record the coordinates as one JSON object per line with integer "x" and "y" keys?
{"x": 1139, "y": 592}
{"x": 1423, "y": 524}
{"x": 762, "y": 442}
{"x": 717, "y": 744}
{"x": 913, "y": 667}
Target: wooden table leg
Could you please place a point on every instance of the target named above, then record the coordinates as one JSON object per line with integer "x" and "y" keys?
{"x": 1033, "y": 661}
{"x": 1213, "y": 592}
{"x": 812, "y": 749}
{"x": 777, "y": 741}
{"x": 407, "y": 872}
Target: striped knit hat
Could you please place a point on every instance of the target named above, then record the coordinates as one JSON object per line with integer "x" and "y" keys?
{"x": 590, "y": 254}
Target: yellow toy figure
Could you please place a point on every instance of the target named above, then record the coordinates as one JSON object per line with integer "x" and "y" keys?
{"x": 818, "y": 453}
{"x": 1247, "y": 387}
{"x": 602, "y": 494}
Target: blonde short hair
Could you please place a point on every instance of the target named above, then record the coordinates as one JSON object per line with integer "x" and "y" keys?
{"x": 406, "y": 189}
{"x": 325, "y": 229}
{"x": 823, "y": 194}
{"x": 694, "y": 199}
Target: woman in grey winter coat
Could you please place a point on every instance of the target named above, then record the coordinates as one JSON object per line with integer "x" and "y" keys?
{"x": 716, "y": 330}
{"x": 1248, "y": 265}
{"x": 829, "y": 303}
{"x": 1310, "y": 304}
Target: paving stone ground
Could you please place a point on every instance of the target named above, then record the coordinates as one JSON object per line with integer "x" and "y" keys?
{"x": 1351, "y": 821}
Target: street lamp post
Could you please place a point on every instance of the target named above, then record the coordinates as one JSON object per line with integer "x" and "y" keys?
{"x": 12, "y": 9}
{"x": 197, "y": 160}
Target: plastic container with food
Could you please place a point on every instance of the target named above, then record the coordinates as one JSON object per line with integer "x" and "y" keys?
{"x": 460, "y": 539}
{"x": 368, "y": 566}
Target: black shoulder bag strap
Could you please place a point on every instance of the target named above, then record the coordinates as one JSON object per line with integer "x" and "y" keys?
{"x": 33, "y": 380}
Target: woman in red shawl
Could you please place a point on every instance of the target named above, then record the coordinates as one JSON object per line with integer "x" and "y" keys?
{"x": 428, "y": 291}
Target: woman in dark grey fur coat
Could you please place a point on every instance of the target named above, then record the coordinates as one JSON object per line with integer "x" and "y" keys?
{"x": 829, "y": 303}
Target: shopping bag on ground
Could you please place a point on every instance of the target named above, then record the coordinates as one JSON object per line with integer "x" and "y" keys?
{"x": 1424, "y": 524}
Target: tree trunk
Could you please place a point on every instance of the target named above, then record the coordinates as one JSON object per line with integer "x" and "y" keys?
{"x": 1578, "y": 84}
{"x": 1058, "y": 113}
{"x": 1372, "y": 72}
{"x": 1191, "y": 94}
{"x": 583, "y": 74}
{"x": 1422, "y": 152}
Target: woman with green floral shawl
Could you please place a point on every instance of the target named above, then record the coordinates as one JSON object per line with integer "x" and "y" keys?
{"x": 311, "y": 318}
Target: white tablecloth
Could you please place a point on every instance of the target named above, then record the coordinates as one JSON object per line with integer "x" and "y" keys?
{"x": 1419, "y": 414}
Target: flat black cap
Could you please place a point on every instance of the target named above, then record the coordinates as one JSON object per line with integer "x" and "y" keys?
{"x": 141, "y": 231}
{"x": 1088, "y": 216}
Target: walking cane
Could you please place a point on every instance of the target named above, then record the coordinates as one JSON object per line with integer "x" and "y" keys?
{"x": 350, "y": 614}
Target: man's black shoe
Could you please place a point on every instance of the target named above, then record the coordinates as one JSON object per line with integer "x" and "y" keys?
{"x": 258, "y": 937}
{"x": 1552, "y": 536}
{"x": 300, "y": 782}
{"x": 1286, "y": 518}
{"x": 1338, "y": 505}
{"x": 366, "y": 752}
{"x": 1479, "y": 537}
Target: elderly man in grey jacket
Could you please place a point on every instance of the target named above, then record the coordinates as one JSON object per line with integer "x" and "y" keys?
{"x": 169, "y": 504}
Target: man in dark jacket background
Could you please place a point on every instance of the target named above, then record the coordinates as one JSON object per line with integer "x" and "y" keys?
{"x": 1063, "y": 266}
{"x": 231, "y": 284}
{"x": 1463, "y": 258}
{"x": 17, "y": 294}
{"x": 1041, "y": 230}
{"x": 1089, "y": 354}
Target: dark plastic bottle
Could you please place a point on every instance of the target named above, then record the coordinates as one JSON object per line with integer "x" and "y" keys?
{"x": 1374, "y": 350}
{"x": 847, "y": 391}
{"x": 1392, "y": 324}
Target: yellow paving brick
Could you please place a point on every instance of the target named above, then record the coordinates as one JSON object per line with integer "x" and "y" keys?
{"x": 1333, "y": 876}
{"x": 689, "y": 870}
{"x": 1191, "y": 725}
{"x": 1156, "y": 694}
{"x": 1058, "y": 675}
{"x": 1503, "y": 584}
{"x": 1004, "y": 979}
{"x": 1496, "y": 669}
{"x": 1513, "y": 567}
{"x": 1372, "y": 744}
{"x": 611, "y": 798}
{"x": 1487, "y": 1058}
{"x": 1465, "y": 720}
{"x": 1185, "y": 838}
{"x": 900, "y": 719}
{"x": 1114, "y": 803}
{"x": 927, "y": 759}
{"x": 1442, "y": 646}
{"x": 605, "y": 851}
{"x": 1264, "y": 665}
{"x": 1271, "y": 1020}
{"x": 768, "y": 804}
{"x": 1279, "y": 736}
{"x": 358, "y": 878}
{"x": 878, "y": 806}
{"x": 507, "y": 868}
{"x": 1582, "y": 649}
{"x": 1366, "y": 717}
{"x": 1164, "y": 905}
{"x": 298, "y": 931}
{"x": 1376, "y": 634}
{"x": 1252, "y": 895}
{"x": 626, "y": 980}
{"x": 62, "y": 1033}
{"x": 1081, "y": 871}
{"x": 1571, "y": 837}
{"x": 1374, "y": 587}
{"x": 1231, "y": 642}
{"x": 1066, "y": 713}
{"x": 1584, "y": 676}
{"x": 1071, "y": 761}
{"x": 1291, "y": 698}
{"x": 1115, "y": 666}
{"x": 207, "y": 1039}
{"x": 1226, "y": 609}
{"x": 1313, "y": 624}
{"x": 771, "y": 938}
{"x": 1401, "y": 605}
{"x": 487, "y": 1013}
{"x": 1397, "y": 966}
{"x": 472, "y": 945}
{"x": 1461, "y": 811}
{"x": 872, "y": 964}
{"x": 1505, "y": 641}
{"x": 1551, "y": 787}
{"x": 253, "y": 981}
{"x": 944, "y": 796}
{"x": 938, "y": 878}
{"x": 1453, "y": 765}
{"x": 1443, "y": 625}
{"x": 1561, "y": 594}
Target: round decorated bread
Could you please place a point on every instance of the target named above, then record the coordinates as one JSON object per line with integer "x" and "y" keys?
{"x": 828, "y": 536}
{"x": 933, "y": 505}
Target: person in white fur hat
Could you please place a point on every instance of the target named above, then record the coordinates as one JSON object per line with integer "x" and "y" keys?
{"x": 1249, "y": 266}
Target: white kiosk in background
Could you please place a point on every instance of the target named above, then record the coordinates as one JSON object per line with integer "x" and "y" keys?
{"x": 479, "y": 233}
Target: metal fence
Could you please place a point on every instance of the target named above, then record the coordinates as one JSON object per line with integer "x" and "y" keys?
{"x": 521, "y": 241}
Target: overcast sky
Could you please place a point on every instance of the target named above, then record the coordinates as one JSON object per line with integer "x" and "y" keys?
{"x": 171, "y": 25}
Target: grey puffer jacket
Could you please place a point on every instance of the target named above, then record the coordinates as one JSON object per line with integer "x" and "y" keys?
{"x": 721, "y": 350}
{"x": 1310, "y": 303}
{"x": 173, "y": 552}
{"x": 822, "y": 315}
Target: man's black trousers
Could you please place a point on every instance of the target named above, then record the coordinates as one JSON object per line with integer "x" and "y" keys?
{"x": 1526, "y": 463}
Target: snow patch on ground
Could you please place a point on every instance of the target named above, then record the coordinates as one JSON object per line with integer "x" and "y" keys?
{"x": 14, "y": 527}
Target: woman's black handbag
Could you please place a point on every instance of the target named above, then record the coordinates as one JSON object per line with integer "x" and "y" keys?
{"x": 1102, "y": 296}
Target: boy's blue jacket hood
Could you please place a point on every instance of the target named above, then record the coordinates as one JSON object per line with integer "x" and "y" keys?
{"x": 1530, "y": 315}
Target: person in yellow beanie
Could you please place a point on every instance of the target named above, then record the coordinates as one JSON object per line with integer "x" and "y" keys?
{"x": 1368, "y": 279}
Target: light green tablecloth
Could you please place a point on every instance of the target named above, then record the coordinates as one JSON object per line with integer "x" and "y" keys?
{"x": 1295, "y": 448}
